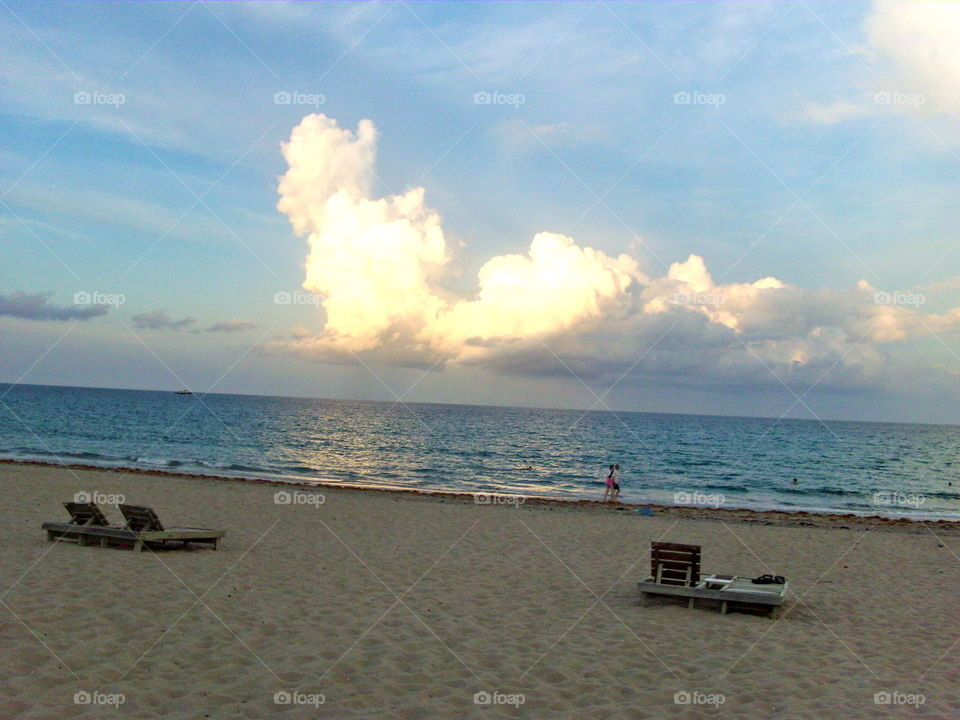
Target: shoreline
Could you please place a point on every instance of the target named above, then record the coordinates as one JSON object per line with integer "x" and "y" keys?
{"x": 798, "y": 518}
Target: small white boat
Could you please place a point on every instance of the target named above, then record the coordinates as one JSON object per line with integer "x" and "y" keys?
{"x": 183, "y": 392}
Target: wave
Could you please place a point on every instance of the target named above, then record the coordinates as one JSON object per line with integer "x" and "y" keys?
{"x": 868, "y": 493}
{"x": 729, "y": 488}
{"x": 292, "y": 467}
{"x": 131, "y": 461}
{"x": 159, "y": 462}
{"x": 943, "y": 495}
{"x": 42, "y": 452}
{"x": 823, "y": 490}
{"x": 224, "y": 465}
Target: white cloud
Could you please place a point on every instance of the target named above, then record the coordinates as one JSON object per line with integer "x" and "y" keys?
{"x": 516, "y": 136}
{"x": 382, "y": 267}
{"x": 524, "y": 298}
{"x": 919, "y": 44}
{"x": 83, "y": 204}
{"x": 914, "y": 52}
{"x": 837, "y": 112}
{"x": 324, "y": 160}
{"x": 381, "y": 264}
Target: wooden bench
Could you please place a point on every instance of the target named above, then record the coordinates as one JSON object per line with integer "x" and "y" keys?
{"x": 143, "y": 528}
{"x": 675, "y": 572}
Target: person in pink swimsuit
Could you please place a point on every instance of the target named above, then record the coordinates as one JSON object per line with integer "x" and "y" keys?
{"x": 612, "y": 488}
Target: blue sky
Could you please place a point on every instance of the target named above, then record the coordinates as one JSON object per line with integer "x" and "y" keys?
{"x": 786, "y": 163}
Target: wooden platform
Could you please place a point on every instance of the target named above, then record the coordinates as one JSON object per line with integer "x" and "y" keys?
{"x": 723, "y": 588}
{"x": 113, "y": 536}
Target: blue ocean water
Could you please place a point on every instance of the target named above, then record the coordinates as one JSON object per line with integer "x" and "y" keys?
{"x": 866, "y": 468}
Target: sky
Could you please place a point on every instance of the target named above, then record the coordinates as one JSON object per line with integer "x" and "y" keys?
{"x": 723, "y": 208}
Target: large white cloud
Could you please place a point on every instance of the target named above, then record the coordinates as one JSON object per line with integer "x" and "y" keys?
{"x": 524, "y": 298}
{"x": 383, "y": 266}
{"x": 918, "y": 43}
{"x": 380, "y": 263}
{"x": 324, "y": 160}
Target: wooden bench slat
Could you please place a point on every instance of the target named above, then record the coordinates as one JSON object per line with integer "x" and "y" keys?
{"x": 658, "y": 545}
{"x": 675, "y": 563}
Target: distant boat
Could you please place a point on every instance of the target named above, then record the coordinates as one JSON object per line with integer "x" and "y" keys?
{"x": 183, "y": 392}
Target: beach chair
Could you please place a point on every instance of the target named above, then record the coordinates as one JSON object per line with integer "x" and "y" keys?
{"x": 140, "y": 518}
{"x": 675, "y": 572}
{"x": 85, "y": 514}
{"x": 143, "y": 529}
{"x": 143, "y": 521}
{"x": 675, "y": 564}
{"x": 83, "y": 518}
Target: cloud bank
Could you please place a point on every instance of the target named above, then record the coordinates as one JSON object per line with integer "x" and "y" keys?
{"x": 231, "y": 326}
{"x": 383, "y": 267}
{"x": 37, "y": 306}
{"x": 160, "y": 320}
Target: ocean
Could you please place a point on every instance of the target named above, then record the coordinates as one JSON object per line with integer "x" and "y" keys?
{"x": 893, "y": 470}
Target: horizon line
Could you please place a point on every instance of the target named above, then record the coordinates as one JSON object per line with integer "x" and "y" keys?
{"x": 815, "y": 419}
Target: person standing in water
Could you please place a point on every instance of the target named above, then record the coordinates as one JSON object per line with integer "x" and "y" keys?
{"x": 609, "y": 483}
{"x": 616, "y": 483}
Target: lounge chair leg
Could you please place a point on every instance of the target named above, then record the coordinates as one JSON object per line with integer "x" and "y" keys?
{"x": 138, "y": 546}
{"x": 690, "y": 603}
{"x": 723, "y": 608}
{"x": 50, "y": 536}
{"x": 82, "y": 541}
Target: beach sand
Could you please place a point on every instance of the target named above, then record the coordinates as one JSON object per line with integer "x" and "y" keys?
{"x": 396, "y": 605}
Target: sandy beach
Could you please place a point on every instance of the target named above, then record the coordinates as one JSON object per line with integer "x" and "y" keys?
{"x": 356, "y": 604}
